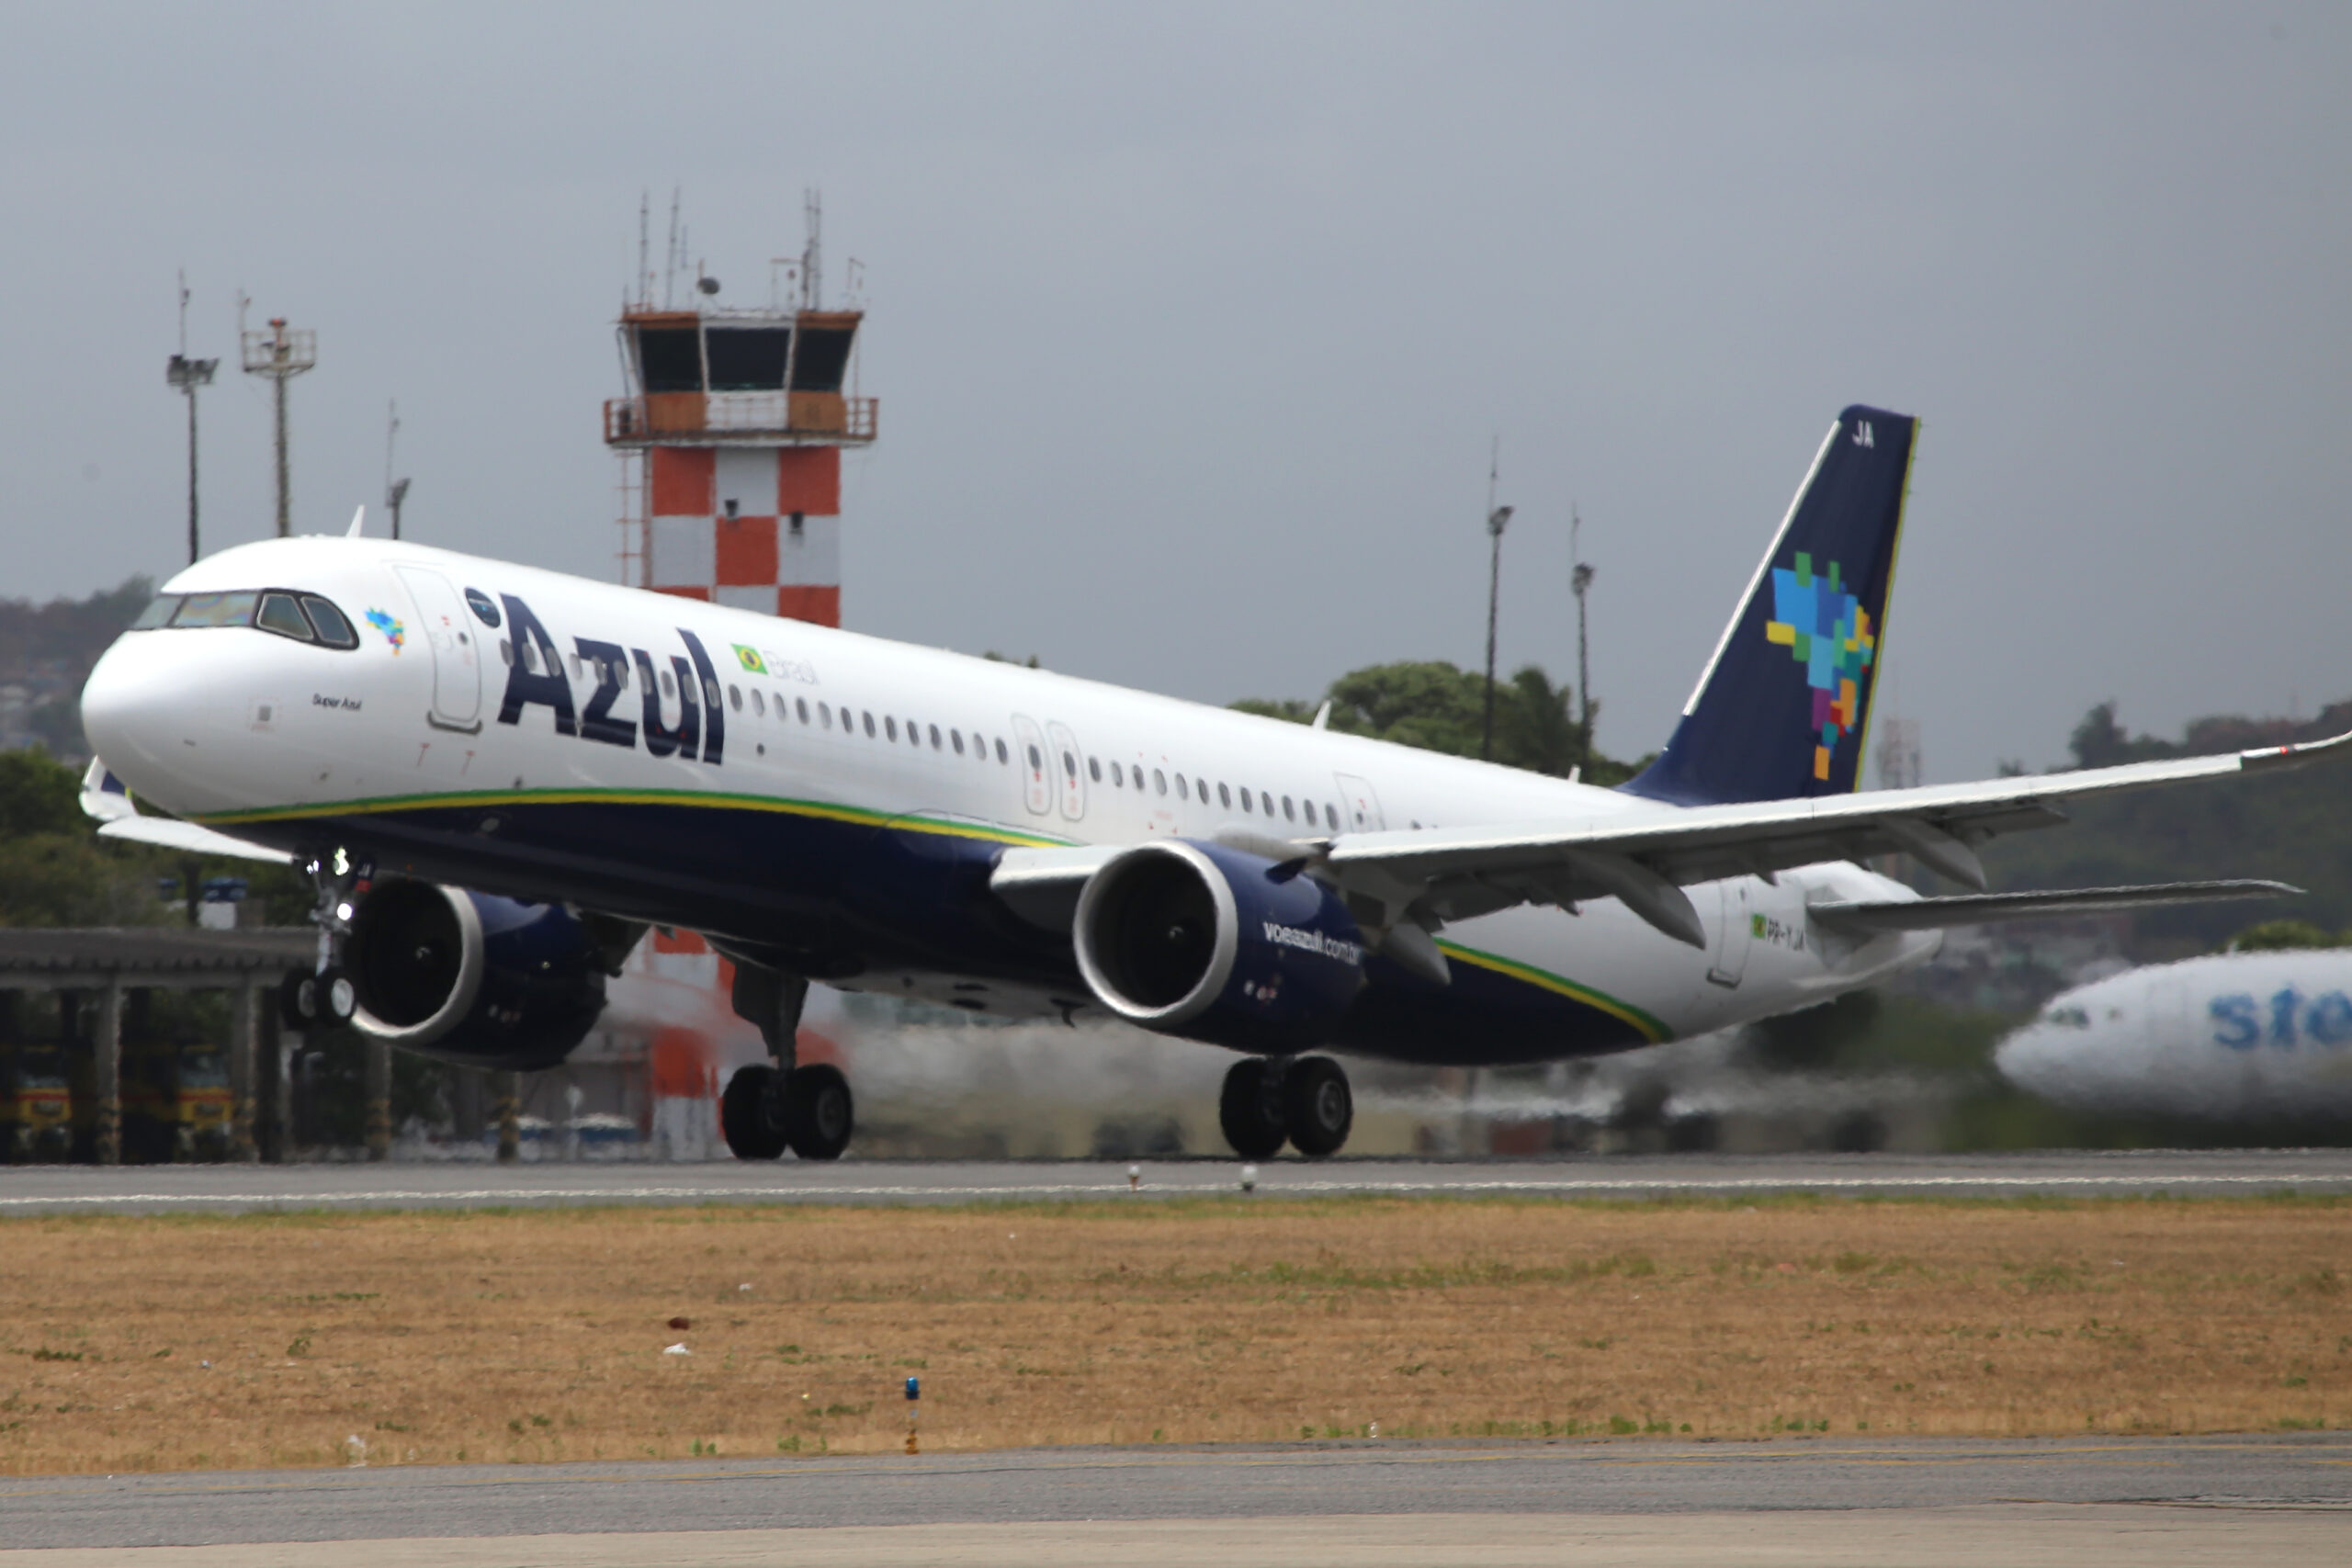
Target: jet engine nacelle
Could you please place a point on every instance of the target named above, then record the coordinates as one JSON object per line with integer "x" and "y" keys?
{"x": 474, "y": 979}
{"x": 1216, "y": 944}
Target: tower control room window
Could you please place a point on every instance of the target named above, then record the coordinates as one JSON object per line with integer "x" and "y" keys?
{"x": 748, "y": 359}
{"x": 670, "y": 358}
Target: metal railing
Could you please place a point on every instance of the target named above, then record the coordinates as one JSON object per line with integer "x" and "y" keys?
{"x": 717, "y": 418}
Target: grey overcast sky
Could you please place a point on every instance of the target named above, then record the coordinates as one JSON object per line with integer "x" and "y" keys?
{"x": 1192, "y": 325}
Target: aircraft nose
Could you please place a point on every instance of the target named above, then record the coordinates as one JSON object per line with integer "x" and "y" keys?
{"x": 141, "y": 712}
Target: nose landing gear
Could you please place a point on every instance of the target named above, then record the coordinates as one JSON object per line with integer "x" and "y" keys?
{"x": 1302, "y": 1101}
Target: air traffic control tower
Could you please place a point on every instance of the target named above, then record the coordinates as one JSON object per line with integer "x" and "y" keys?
{"x": 733, "y": 429}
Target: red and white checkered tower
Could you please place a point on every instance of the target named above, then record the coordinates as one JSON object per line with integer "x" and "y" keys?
{"x": 734, "y": 427}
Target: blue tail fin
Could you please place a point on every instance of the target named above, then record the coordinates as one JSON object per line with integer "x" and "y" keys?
{"x": 1782, "y": 707}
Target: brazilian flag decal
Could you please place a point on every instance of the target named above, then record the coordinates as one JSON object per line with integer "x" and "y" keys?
{"x": 750, "y": 658}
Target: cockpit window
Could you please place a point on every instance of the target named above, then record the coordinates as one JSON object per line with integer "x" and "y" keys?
{"x": 279, "y": 614}
{"x": 305, "y": 617}
{"x": 334, "y": 630}
{"x": 215, "y": 610}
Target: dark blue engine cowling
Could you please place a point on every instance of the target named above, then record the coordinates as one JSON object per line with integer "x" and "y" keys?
{"x": 1215, "y": 944}
{"x": 481, "y": 981}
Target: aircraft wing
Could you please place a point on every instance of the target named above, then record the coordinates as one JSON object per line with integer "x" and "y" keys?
{"x": 105, "y": 798}
{"x": 1643, "y": 858}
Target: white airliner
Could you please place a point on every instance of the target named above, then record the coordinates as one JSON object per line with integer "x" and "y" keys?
{"x": 2239, "y": 1037}
{"x": 501, "y": 776}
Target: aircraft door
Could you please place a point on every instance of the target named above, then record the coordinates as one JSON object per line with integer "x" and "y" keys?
{"x": 1734, "y": 931}
{"x": 456, "y": 669}
{"x": 1067, "y": 766}
{"x": 1359, "y": 807}
{"x": 1037, "y": 786}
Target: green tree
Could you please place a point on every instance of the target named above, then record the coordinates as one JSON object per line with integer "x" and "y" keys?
{"x": 1439, "y": 706}
{"x": 2285, "y": 936}
{"x": 37, "y": 795}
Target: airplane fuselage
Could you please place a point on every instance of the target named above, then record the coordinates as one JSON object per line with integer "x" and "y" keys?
{"x": 838, "y": 801}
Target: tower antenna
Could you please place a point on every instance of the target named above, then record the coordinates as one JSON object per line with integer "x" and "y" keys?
{"x": 1497, "y": 517}
{"x": 669, "y": 261}
{"x": 812, "y": 254}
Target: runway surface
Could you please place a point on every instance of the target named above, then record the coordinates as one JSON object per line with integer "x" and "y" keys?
{"x": 26, "y": 1190}
{"x": 2083, "y": 1502}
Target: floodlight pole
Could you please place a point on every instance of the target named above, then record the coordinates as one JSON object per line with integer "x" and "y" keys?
{"x": 185, "y": 375}
{"x": 1580, "y": 579}
{"x": 1497, "y": 517}
{"x": 281, "y": 356}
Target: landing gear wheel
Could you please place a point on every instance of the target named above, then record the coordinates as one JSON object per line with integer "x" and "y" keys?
{"x": 338, "y": 997}
{"x": 1250, "y": 1111}
{"x": 751, "y": 1113}
{"x": 818, "y": 1111}
{"x": 1317, "y": 1106}
{"x": 298, "y": 999}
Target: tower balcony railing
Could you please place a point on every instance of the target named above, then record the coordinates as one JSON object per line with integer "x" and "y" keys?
{"x": 724, "y": 418}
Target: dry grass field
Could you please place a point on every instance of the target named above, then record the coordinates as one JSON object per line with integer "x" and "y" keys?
{"x": 182, "y": 1342}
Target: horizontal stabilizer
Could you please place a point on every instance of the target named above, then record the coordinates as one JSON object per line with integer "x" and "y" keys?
{"x": 1980, "y": 909}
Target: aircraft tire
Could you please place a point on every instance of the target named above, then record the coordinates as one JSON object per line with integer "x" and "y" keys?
{"x": 298, "y": 999}
{"x": 749, "y": 1114}
{"x": 1250, "y": 1115}
{"x": 818, "y": 1113}
{"x": 338, "y": 997}
{"x": 1317, "y": 1105}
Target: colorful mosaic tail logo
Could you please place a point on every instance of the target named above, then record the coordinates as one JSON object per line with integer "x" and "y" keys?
{"x": 1827, "y": 631}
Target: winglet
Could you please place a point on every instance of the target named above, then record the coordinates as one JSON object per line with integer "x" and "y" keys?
{"x": 2292, "y": 756}
{"x": 358, "y": 520}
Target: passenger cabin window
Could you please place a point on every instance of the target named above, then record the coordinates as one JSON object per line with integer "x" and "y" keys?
{"x": 1200, "y": 788}
{"x": 1288, "y": 815}
{"x": 935, "y": 738}
{"x": 956, "y": 736}
{"x": 1266, "y": 802}
{"x": 1035, "y": 760}
{"x": 1001, "y": 754}
{"x": 1159, "y": 781}
{"x": 1070, "y": 765}
{"x": 869, "y": 724}
{"x": 1180, "y": 793}
{"x": 1224, "y": 797}
{"x": 669, "y": 683}
{"x": 1331, "y": 815}
{"x": 1095, "y": 769}
{"x": 735, "y": 698}
{"x": 1118, "y": 779}
{"x": 1245, "y": 799}
{"x": 802, "y": 704}
{"x": 759, "y": 703}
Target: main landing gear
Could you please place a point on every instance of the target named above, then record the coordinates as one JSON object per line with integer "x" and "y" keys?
{"x": 807, "y": 1110}
{"x": 1302, "y": 1099}
{"x": 774, "y": 1106}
